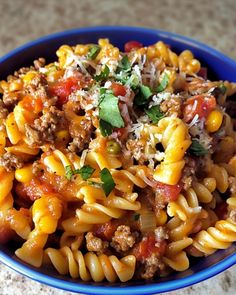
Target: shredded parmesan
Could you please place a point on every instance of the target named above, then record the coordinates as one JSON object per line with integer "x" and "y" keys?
{"x": 194, "y": 121}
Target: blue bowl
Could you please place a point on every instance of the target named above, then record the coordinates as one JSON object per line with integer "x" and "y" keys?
{"x": 220, "y": 67}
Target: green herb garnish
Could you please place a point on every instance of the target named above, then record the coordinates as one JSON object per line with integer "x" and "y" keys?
{"x": 155, "y": 114}
{"x": 69, "y": 172}
{"x": 197, "y": 149}
{"x": 109, "y": 109}
{"x": 108, "y": 182}
{"x": 103, "y": 75}
{"x": 124, "y": 65}
{"x": 106, "y": 128}
{"x": 93, "y": 52}
{"x": 85, "y": 172}
{"x": 143, "y": 95}
{"x": 164, "y": 82}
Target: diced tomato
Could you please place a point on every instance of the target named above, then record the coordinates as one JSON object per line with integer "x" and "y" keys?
{"x": 132, "y": 45}
{"x": 32, "y": 190}
{"x": 199, "y": 105}
{"x": 64, "y": 88}
{"x": 118, "y": 89}
{"x": 105, "y": 231}
{"x": 221, "y": 210}
{"x": 202, "y": 73}
{"x": 6, "y": 233}
{"x": 169, "y": 192}
{"x": 147, "y": 246}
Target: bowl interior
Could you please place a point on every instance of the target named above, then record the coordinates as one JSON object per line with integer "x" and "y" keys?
{"x": 220, "y": 67}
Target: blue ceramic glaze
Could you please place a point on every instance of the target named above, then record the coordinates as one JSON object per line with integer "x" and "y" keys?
{"x": 220, "y": 67}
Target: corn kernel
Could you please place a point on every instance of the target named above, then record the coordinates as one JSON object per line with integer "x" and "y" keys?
{"x": 103, "y": 42}
{"x": 214, "y": 121}
{"x": 24, "y": 174}
{"x": 29, "y": 77}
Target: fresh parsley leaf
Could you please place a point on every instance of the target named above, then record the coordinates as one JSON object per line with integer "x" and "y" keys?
{"x": 69, "y": 172}
{"x": 103, "y": 91}
{"x": 124, "y": 65}
{"x": 109, "y": 110}
{"x": 136, "y": 216}
{"x": 143, "y": 95}
{"x": 103, "y": 75}
{"x": 85, "y": 172}
{"x": 93, "y": 52}
{"x": 106, "y": 128}
{"x": 155, "y": 114}
{"x": 197, "y": 149}
{"x": 108, "y": 182}
{"x": 164, "y": 82}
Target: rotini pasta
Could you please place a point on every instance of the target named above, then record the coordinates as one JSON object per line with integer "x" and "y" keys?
{"x": 116, "y": 165}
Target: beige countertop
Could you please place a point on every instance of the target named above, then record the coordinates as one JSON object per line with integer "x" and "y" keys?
{"x": 212, "y": 22}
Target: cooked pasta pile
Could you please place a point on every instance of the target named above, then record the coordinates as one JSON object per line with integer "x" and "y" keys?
{"x": 117, "y": 165}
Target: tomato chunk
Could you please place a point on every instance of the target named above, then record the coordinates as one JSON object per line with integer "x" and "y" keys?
{"x": 147, "y": 246}
{"x": 169, "y": 192}
{"x": 199, "y": 105}
{"x": 64, "y": 88}
{"x": 132, "y": 45}
{"x": 105, "y": 231}
{"x": 33, "y": 190}
{"x": 118, "y": 89}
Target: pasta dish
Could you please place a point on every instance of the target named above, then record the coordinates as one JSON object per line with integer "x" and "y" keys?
{"x": 117, "y": 165}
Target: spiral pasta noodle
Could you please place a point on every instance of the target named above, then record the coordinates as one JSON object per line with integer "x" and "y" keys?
{"x": 175, "y": 140}
{"x": 91, "y": 266}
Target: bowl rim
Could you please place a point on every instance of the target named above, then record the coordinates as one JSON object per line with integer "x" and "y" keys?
{"x": 151, "y": 288}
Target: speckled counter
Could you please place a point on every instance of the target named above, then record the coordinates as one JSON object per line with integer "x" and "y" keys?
{"x": 212, "y": 22}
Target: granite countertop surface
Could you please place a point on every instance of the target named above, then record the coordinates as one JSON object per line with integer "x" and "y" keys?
{"x": 212, "y": 22}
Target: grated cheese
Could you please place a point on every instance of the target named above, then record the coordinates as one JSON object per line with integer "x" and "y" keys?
{"x": 194, "y": 121}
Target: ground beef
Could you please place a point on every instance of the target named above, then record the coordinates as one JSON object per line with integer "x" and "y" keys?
{"x": 43, "y": 129}
{"x": 95, "y": 244}
{"x": 123, "y": 239}
{"x": 39, "y": 63}
{"x": 10, "y": 99}
{"x": 232, "y": 184}
{"x": 81, "y": 135}
{"x": 188, "y": 172}
{"x": 11, "y": 162}
{"x": 161, "y": 234}
{"x": 152, "y": 265}
{"x": 3, "y": 110}
{"x": 172, "y": 106}
{"x": 37, "y": 86}
{"x": 23, "y": 71}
